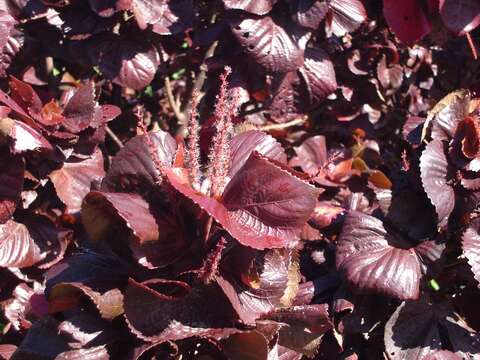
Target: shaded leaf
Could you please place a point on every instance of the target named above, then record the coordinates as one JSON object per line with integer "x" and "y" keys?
{"x": 126, "y": 62}
{"x": 460, "y": 16}
{"x": 133, "y": 166}
{"x": 191, "y": 311}
{"x": 257, "y": 287}
{"x": 11, "y": 183}
{"x": 471, "y": 247}
{"x": 310, "y": 13}
{"x": 419, "y": 328}
{"x": 318, "y": 74}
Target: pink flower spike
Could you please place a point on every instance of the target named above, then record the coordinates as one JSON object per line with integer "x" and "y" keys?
{"x": 219, "y": 157}
{"x": 193, "y": 143}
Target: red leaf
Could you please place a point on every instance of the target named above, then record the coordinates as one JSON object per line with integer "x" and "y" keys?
{"x": 271, "y": 46}
{"x": 243, "y": 144}
{"x": 73, "y": 180}
{"x": 406, "y": 19}
{"x": 133, "y": 166}
{"x": 262, "y": 206}
{"x": 80, "y": 109}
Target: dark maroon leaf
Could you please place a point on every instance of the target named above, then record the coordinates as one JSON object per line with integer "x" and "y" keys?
{"x": 460, "y": 16}
{"x": 289, "y": 97}
{"x": 167, "y": 17}
{"x": 375, "y": 260}
{"x": 156, "y": 240}
{"x": 433, "y": 169}
{"x": 243, "y": 144}
{"x": 270, "y": 45}
{"x": 80, "y": 109}
{"x": 73, "y": 180}
{"x": 251, "y": 345}
{"x": 133, "y": 166}
{"x": 23, "y": 137}
{"x": 420, "y": 328}
{"x": 191, "y": 311}
{"x": 319, "y": 75}
{"x": 104, "y": 8}
{"x": 310, "y": 13}
{"x": 274, "y": 284}
{"x": 126, "y": 62}
{"x": 406, "y": 19}
{"x": 93, "y": 274}
{"x": 347, "y": 16}
{"x": 251, "y": 215}
{"x": 258, "y": 7}
{"x": 24, "y": 95}
{"x": 42, "y": 341}
{"x": 11, "y": 183}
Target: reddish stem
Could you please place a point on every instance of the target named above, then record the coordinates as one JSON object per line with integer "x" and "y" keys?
{"x": 472, "y": 45}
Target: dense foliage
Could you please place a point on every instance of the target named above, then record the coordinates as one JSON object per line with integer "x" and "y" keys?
{"x": 239, "y": 179}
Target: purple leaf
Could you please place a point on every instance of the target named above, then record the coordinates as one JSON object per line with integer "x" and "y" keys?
{"x": 460, "y": 16}
{"x": 374, "y": 260}
{"x": 258, "y": 7}
{"x": 80, "y": 109}
{"x": 12, "y": 170}
{"x": 24, "y": 95}
{"x": 253, "y": 216}
{"x": 95, "y": 275}
{"x": 73, "y": 180}
{"x": 251, "y": 345}
{"x": 311, "y": 12}
{"x": 271, "y": 46}
{"x": 274, "y": 285}
{"x": 319, "y": 75}
{"x": 407, "y": 19}
{"x": 102, "y": 212}
{"x": 420, "y": 328}
{"x": 191, "y": 311}
{"x": 311, "y": 155}
{"x": 471, "y": 247}
{"x": 167, "y": 17}
{"x": 243, "y": 144}
{"x": 347, "y": 16}
{"x": 133, "y": 166}
{"x": 433, "y": 169}
{"x": 126, "y": 62}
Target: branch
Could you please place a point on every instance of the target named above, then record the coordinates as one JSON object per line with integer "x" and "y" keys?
{"x": 114, "y": 137}
{"x": 294, "y": 122}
